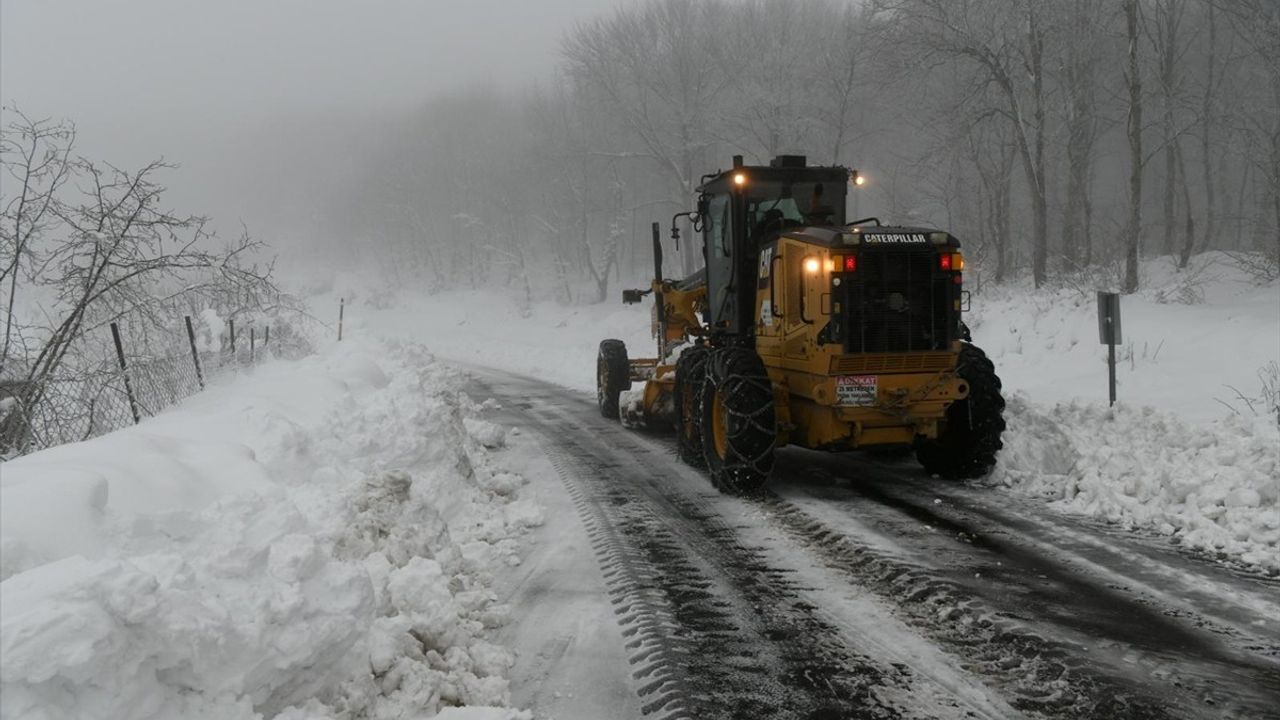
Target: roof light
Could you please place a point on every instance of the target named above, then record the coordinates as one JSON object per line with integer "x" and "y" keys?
{"x": 739, "y": 178}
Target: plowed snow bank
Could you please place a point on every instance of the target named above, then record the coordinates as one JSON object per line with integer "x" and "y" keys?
{"x": 1214, "y": 488}
{"x": 314, "y": 539}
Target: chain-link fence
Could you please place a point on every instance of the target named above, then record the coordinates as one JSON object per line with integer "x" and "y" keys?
{"x": 126, "y": 377}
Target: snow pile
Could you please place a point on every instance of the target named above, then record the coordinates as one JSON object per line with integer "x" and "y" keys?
{"x": 1213, "y": 488}
{"x": 316, "y": 539}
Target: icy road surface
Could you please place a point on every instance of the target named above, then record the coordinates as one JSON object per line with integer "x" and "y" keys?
{"x": 852, "y": 588}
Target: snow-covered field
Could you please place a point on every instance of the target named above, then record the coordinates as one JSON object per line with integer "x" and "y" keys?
{"x": 308, "y": 539}
{"x": 1183, "y": 453}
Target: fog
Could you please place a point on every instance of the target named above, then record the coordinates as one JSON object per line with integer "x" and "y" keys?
{"x": 528, "y": 145}
{"x": 258, "y": 101}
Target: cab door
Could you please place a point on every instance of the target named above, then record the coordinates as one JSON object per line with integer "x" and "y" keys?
{"x": 718, "y": 237}
{"x": 799, "y": 309}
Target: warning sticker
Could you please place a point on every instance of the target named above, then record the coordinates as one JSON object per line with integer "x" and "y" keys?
{"x": 856, "y": 390}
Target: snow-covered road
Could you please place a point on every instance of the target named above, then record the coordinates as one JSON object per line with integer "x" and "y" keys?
{"x": 854, "y": 588}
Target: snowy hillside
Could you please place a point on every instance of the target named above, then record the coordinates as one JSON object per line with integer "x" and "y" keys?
{"x": 310, "y": 538}
{"x": 1192, "y": 449}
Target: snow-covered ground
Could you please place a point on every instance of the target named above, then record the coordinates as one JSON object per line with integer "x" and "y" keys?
{"x": 304, "y": 540}
{"x": 1192, "y": 448}
{"x": 323, "y": 538}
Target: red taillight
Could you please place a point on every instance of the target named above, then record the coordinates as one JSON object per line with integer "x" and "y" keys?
{"x": 944, "y": 261}
{"x": 850, "y": 263}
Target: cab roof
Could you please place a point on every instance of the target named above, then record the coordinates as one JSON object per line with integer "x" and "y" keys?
{"x": 784, "y": 168}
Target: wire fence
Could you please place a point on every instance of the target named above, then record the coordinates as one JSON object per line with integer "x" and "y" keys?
{"x": 127, "y": 377}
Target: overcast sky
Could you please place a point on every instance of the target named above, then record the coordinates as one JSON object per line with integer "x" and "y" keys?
{"x": 189, "y": 79}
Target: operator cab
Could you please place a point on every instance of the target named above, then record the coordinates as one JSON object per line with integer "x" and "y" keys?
{"x": 742, "y": 209}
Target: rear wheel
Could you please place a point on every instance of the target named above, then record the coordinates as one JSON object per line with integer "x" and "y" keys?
{"x": 691, "y": 370}
{"x": 967, "y": 444}
{"x": 613, "y": 375}
{"x": 739, "y": 422}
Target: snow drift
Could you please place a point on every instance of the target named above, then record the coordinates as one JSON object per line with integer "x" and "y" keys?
{"x": 315, "y": 539}
{"x": 1214, "y": 489}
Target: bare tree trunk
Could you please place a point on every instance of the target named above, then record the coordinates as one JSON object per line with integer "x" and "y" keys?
{"x": 1189, "y": 238}
{"x": 1040, "y": 250}
{"x": 1088, "y": 228}
{"x": 1206, "y": 127}
{"x": 1168, "y": 53}
{"x": 1134, "y": 82}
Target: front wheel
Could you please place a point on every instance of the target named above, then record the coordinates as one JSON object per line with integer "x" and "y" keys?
{"x": 691, "y": 370}
{"x": 613, "y": 376}
{"x": 969, "y": 439}
{"x": 739, "y": 421}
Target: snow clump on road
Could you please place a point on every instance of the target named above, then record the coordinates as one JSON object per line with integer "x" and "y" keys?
{"x": 312, "y": 539}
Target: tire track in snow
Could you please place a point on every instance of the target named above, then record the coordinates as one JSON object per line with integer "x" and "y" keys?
{"x": 667, "y": 549}
{"x": 718, "y": 633}
{"x": 1030, "y": 622}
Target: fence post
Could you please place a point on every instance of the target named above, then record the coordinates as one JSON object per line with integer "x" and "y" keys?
{"x": 253, "y": 342}
{"x": 232, "y": 324}
{"x": 128, "y": 386}
{"x": 266, "y": 336}
{"x": 195, "y": 355}
{"x": 342, "y": 305}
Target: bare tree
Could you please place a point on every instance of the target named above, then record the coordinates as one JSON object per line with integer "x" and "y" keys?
{"x": 1133, "y": 81}
{"x": 1257, "y": 24}
{"x": 1164, "y": 28}
{"x": 37, "y": 156}
{"x": 1081, "y": 65}
{"x": 653, "y": 67}
{"x": 93, "y": 245}
{"x": 1008, "y": 48}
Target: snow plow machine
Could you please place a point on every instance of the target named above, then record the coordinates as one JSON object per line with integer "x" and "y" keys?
{"x": 805, "y": 329}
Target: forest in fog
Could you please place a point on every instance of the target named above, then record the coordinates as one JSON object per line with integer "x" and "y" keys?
{"x": 1060, "y": 140}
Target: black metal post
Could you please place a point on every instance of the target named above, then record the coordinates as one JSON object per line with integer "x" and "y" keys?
{"x": 195, "y": 355}
{"x": 124, "y": 371}
{"x": 660, "y": 303}
{"x": 342, "y": 305}
{"x": 253, "y": 342}
{"x": 266, "y": 335}
{"x": 1111, "y": 371}
{"x": 232, "y": 324}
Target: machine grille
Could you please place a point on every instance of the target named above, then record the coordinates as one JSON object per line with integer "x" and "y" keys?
{"x": 897, "y": 302}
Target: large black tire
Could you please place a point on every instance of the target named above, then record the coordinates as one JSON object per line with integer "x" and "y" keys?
{"x": 613, "y": 376}
{"x": 970, "y": 436}
{"x": 691, "y": 370}
{"x": 739, "y": 421}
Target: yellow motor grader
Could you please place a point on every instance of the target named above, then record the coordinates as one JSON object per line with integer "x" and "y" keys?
{"x": 805, "y": 329}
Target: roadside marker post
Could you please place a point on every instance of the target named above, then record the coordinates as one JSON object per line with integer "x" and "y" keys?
{"x": 1109, "y": 334}
{"x": 195, "y": 355}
